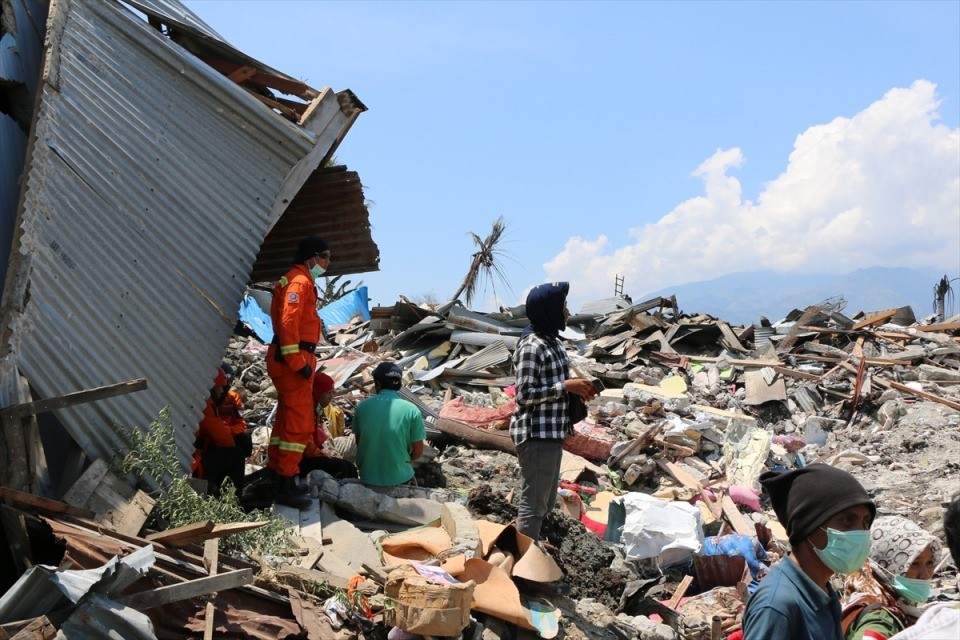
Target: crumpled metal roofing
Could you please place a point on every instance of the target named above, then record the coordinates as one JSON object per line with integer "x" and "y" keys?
{"x": 331, "y": 205}
{"x": 152, "y": 181}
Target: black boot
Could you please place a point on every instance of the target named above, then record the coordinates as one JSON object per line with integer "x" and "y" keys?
{"x": 289, "y": 494}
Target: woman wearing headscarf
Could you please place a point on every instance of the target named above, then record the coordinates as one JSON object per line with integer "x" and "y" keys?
{"x": 881, "y": 599}
{"x": 827, "y": 515}
{"x": 541, "y": 420}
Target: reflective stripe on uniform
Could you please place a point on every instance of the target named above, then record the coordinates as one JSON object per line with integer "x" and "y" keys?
{"x": 283, "y": 281}
{"x": 287, "y": 349}
{"x": 286, "y": 446}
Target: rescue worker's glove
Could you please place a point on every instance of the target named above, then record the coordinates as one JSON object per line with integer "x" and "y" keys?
{"x": 307, "y": 371}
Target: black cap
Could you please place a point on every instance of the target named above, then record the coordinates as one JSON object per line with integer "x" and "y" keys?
{"x": 388, "y": 372}
{"x": 309, "y": 247}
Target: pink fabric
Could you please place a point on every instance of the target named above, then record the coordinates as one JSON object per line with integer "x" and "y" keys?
{"x": 590, "y": 442}
{"x": 483, "y": 417}
{"x": 745, "y": 497}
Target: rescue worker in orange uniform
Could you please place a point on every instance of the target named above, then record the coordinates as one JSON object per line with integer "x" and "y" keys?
{"x": 222, "y": 442}
{"x": 291, "y": 361}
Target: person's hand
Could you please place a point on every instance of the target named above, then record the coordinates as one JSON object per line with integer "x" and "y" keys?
{"x": 306, "y": 372}
{"x": 580, "y": 387}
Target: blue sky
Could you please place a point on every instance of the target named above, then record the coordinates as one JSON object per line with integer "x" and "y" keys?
{"x": 664, "y": 142}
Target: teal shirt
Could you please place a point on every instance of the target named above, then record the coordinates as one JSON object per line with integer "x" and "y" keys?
{"x": 788, "y": 605}
{"x": 386, "y": 425}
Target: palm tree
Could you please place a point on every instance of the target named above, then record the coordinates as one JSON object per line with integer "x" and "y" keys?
{"x": 485, "y": 263}
{"x": 942, "y": 291}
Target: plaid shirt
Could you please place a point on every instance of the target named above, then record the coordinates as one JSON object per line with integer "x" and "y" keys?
{"x": 540, "y": 364}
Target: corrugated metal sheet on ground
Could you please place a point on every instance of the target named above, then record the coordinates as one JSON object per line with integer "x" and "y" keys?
{"x": 148, "y": 193}
{"x": 489, "y": 356}
{"x": 483, "y": 339}
{"x": 604, "y": 306}
{"x": 467, "y": 319}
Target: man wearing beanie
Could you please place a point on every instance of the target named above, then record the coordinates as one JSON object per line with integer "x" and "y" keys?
{"x": 389, "y": 431}
{"x": 291, "y": 361}
{"x": 827, "y": 515}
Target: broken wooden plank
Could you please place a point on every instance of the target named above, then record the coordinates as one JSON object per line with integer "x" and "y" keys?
{"x": 15, "y": 530}
{"x": 39, "y": 628}
{"x": 793, "y": 373}
{"x": 688, "y": 480}
{"x": 640, "y": 442}
{"x": 677, "y": 449}
{"x": 179, "y": 533}
{"x": 735, "y": 518}
{"x": 77, "y": 397}
{"x": 79, "y": 493}
{"x": 926, "y": 395}
{"x": 130, "y": 517}
{"x": 680, "y": 592}
{"x": 45, "y": 505}
{"x": 940, "y": 326}
{"x": 211, "y": 555}
{"x": 201, "y": 531}
{"x": 186, "y": 590}
{"x": 295, "y": 576}
{"x": 890, "y": 384}
{"x": 876, "y": 318}
{"x": 767, "y": 362}
{"x": 377, "y": 574}
{"x": 310, "y": 560}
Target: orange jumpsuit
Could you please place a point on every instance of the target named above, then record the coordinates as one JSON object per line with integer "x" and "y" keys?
{"x": 221, "y": 422}
{"x": 296, "y": 329}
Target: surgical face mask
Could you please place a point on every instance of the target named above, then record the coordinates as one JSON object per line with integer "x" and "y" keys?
{"x": 846, "y": 551}
{"x": 316, "y": 271}
{"x": 912, "y": 589}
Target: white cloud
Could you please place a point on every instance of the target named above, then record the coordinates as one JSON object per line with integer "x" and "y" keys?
{"x": 880, "y": 188}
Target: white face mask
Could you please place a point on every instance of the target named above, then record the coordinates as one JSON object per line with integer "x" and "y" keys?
{"x": 316, "y": 271}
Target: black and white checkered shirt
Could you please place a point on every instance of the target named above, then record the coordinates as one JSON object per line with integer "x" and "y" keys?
{"x": 540, "y": 364}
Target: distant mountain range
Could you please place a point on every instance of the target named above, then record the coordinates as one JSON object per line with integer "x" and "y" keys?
{"x": 741, "y": 298}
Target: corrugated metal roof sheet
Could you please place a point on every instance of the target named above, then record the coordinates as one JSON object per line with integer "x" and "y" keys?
{"x": 149, "y": 189}
{"x": 331, "y": 205}
{"x": 175, "y": 13}
{"x": 204, "y": 39}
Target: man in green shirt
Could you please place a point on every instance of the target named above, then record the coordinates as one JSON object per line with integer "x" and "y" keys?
{"x": 389, "y": 431}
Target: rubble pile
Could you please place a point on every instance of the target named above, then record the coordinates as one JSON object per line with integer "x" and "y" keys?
{"x": 691, "y": 412}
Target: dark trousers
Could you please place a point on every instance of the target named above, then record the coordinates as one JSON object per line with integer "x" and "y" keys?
{"x": 336, "y": 467}
{"x": 220, "y": 463}
{"x": 539, "y": 472}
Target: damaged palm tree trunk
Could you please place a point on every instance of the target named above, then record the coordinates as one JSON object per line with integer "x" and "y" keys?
{"x": 480, "y": 438}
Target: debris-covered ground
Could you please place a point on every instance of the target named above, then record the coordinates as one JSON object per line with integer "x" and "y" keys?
{"x": 693, "y": 410}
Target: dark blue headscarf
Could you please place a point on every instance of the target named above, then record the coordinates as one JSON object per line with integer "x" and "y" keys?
{"x": 545, "y": 308}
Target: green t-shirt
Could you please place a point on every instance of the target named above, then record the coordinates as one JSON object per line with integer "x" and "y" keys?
{"x": 386, "y": 425}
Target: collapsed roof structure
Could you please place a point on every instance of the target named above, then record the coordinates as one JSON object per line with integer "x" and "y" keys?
{"x": 148, "y": 171}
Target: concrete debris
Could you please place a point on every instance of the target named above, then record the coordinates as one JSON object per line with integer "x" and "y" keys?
{"x": 682, "y": 427}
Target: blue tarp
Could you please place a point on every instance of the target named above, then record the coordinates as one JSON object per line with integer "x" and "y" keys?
{"x": 256, "y": 319}
{"x": 334, "y": 314}
{"x": 341, "y": 311}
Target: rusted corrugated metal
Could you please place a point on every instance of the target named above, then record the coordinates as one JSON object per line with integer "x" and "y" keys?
{"x": 151, "y": 182}
{"x": 331, "y": 205}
